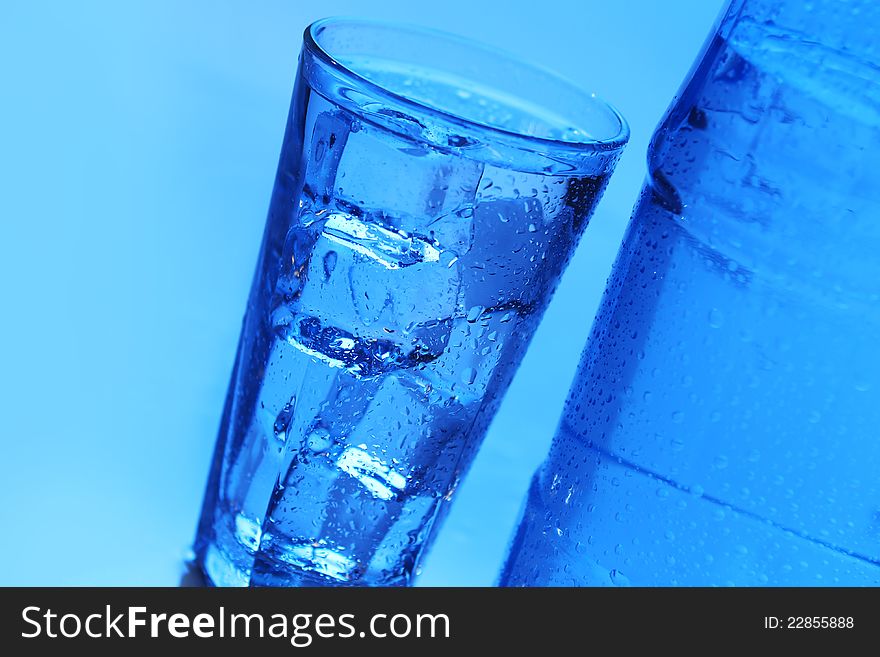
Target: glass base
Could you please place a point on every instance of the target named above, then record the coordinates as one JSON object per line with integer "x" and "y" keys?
{"x": 215, "y": 568}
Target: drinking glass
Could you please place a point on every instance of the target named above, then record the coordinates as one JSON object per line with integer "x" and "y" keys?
{"x": 429, "y": 194}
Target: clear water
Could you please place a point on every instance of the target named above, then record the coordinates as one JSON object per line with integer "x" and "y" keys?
{"x": 723, "y": 427}
{"x": 476, "y": 102}
{"x": 397, "y": 289}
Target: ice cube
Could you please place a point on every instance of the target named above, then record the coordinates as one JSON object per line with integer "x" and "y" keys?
{"x": 406, "y": 445}
{"x": 325, "y": 148}
{"x": 296, "y": 254}
{"x": 414, "y": 429}
{"x": 396, "y": 451}
{"x": 293, "y": 390}
{"x": 409, "y": 182}
{"x": 504, "y": 261}
{"x": 364, "y": 297}
{"x": 517, "y": 227}
{"x": 392, "y": 249}
{"x": 375, "y": 475}
{"x": 311, "y": 555}
{"x": 478, "y": 344}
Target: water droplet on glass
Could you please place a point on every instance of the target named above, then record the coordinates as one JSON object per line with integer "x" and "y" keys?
{"x": 474, "y": 313}
{"x": 618, "y": 578}
{"x": 319, "y": 440}
{"x": 283, "y": 419}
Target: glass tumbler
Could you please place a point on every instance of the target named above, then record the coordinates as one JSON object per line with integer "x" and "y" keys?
{"x": 429, "y": 194}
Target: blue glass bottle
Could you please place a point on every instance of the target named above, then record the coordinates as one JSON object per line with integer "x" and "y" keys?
{"x": 724, "y": 425}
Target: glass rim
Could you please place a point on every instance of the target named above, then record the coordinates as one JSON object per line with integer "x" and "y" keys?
{"x": 520, "y": 139}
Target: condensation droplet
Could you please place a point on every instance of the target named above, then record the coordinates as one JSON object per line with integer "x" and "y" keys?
{"x": 618, "y": 578}
{"x": 319, "y": 440}
{"x": 474, "y": 313}
{"x": 329, "y": 263}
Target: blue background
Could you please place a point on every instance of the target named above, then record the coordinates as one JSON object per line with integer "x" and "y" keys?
{"x": 138, "y": 143}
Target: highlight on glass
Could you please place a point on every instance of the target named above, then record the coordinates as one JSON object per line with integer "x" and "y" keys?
{"x": 429, "y": 194}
